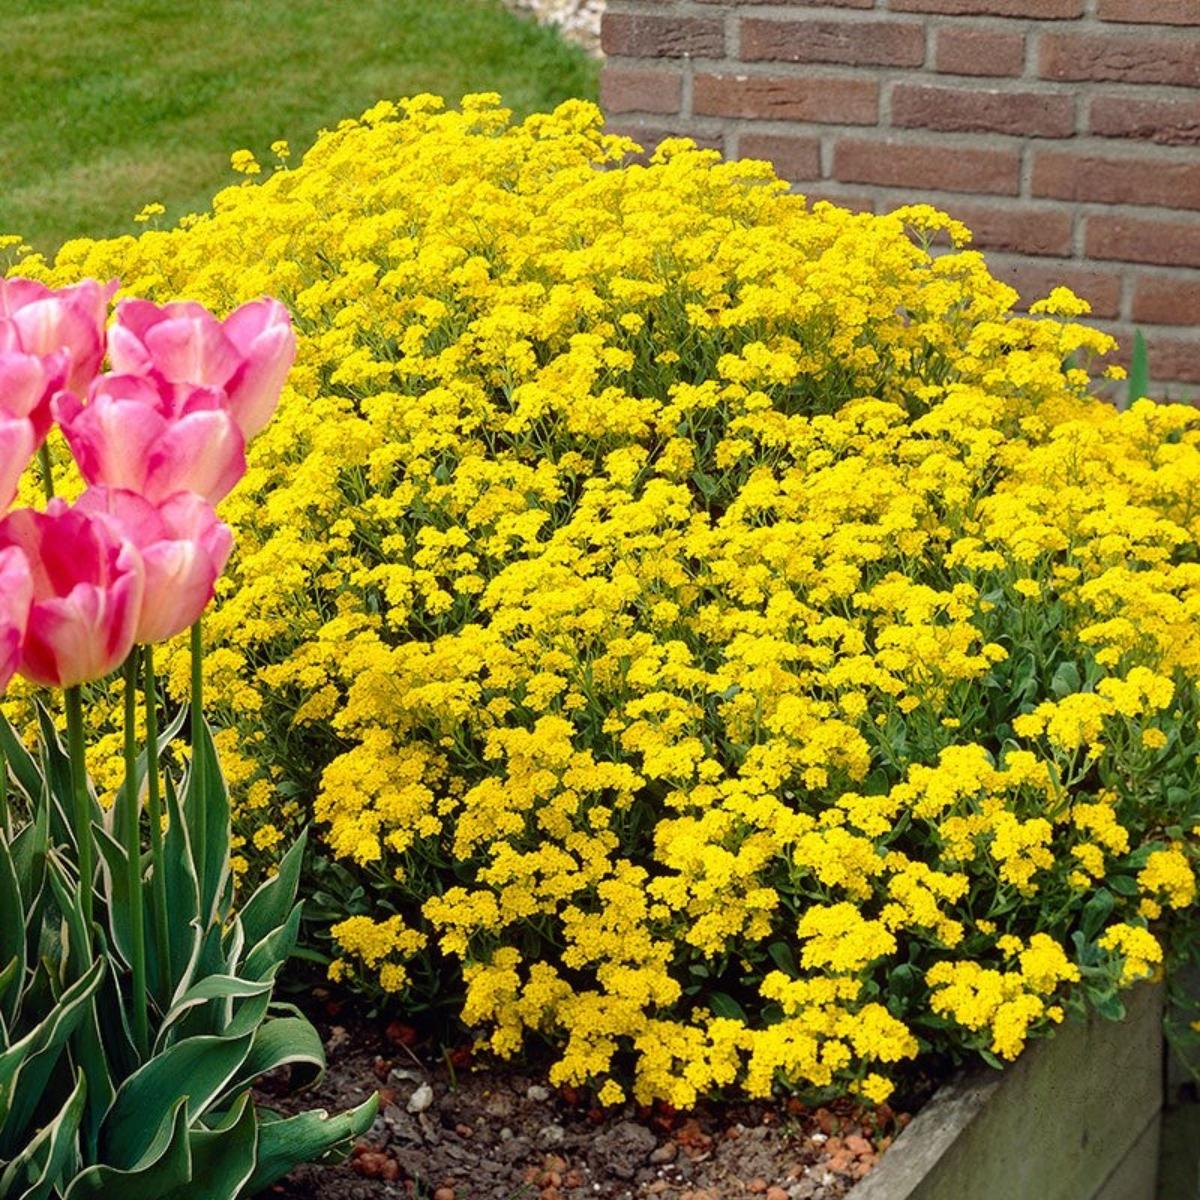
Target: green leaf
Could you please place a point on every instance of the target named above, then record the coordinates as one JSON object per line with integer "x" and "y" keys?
{"x": 12, "y": 929}
{"x": 166, "y": 1165}
{"x": 281, "y": 1042}
{"x": 214, "y": 987}
{"x": 198, "y": 1068}
{"x": 25, "y": 1067}
{"x": 1067, "y": 680}
{"x": 33, "y": 1174}
{"x": 308, "y": 1137}
{"x": 271, "y": 904}
{"x": 183, "y": 893}
{"x": 212, "y": 809}
{"x": 223, "y": 1159}
{"x": 21, "y": 763}
{"x": 1095, "y": 913}
{"x": 1139, "y": 370}
{"x": 274, "y": 950}
{"x": 784, "y": 958}
{"x": 116, "y": 881}
{"x": 725, "y": 1005}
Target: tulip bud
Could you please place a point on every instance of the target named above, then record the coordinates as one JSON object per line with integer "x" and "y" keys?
{"x": 87, "y": 594}
{"x": 248, "y": 355}
{"x": 183, "y": 546}
{"x": 144, "y": 435}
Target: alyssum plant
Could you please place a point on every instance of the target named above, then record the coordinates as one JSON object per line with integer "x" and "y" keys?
{"x": 135, "y": 998}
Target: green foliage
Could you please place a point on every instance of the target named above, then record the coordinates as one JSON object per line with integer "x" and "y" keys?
{"x": 84, "y": 1116}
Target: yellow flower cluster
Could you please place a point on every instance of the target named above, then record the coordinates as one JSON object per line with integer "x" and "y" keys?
{"x": 720, "y": 623}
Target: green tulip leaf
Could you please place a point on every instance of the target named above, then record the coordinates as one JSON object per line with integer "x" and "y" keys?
{"x": 281, "y": 1042}
{"x": 224, "y": 1159}
{"x": 207, "y": 813}
{"x": 34, "y": 1172}
{"x": 32, "y": 1059}
{"x": 270, "y": 905}
{"x": 215, "y": 987}
{"x": 308, "y": 1137}
{"x": 21, "y": 763}
{"x": 166, "y": 1165}
{"x": 198, "y": 1068}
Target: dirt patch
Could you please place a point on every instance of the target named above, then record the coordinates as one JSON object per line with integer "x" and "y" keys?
{"x": 465, "y": 1129}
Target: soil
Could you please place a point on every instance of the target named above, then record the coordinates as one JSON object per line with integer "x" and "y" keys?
{"x": 463, "y": 1128}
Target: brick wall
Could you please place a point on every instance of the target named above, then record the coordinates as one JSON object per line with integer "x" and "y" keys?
{"x": 1065, "y": 133}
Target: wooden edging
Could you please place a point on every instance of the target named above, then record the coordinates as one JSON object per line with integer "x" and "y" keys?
{"x": 1076, "y": 1117}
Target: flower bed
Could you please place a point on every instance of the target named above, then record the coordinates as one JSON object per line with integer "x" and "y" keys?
{"x": 721, "y": 626}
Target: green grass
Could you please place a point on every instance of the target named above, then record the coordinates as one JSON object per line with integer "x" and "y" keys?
{"x": 111, "y": 104}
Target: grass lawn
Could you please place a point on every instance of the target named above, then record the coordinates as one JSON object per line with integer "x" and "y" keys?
{"x": 110, "y": 104}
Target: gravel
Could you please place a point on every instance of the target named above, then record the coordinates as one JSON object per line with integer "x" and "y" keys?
{"x": 578, "y": 20}
{"x": 456, "y": 1127}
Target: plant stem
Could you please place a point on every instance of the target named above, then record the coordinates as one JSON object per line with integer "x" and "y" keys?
{"x": 82, "y": 809}
{"x": 158, "y": 880}
{"x": 47, "y": 470}
{"x": 133, "y": 861}
{"x": 198, "y": 782}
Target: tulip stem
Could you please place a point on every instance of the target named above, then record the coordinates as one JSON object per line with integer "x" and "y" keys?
{"x": 47, "y": 470}
{"x": 83, "y": 806}
{"x": 198, "y": 782}
{"x": 162, "y": 945}
{"x": 133, "y": 861}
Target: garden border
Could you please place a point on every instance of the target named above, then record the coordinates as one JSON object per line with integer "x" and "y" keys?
{"x": 1077, "y": 1117}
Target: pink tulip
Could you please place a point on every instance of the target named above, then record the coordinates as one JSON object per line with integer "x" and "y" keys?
{"x": 184, "y": 548}
{"x": 87, "y": 594}
{"x": 28, "y": 382}
{"x": 39, "y": 320}
{"x": 248, "y": 354}
{"x": 18, "y": 441}
{"x": 16, "y": 595}
{"x": 152, "y": 438}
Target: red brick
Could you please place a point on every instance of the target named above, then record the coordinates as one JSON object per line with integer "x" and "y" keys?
{"x": 979, "y": 52}
{"x": 949, "y": 168}
{"x": 795, "y": 158}
{"x": 1143, "y": 239}
{"x": 792, "y": 98}
{"x": 1035, "y": 281}
{"x": 1168, "y": 122}
{"x": 1162, "y": 300}
{"x": 1173, "y": 359}
{"x": 1067, "y": 175}
{"x": 1044, "y": 10}
{"x": 983, "y": 110}
{"x": 640, "y": 89}
{"x": 649, "y": 35}
{"x": 1023, "y": 230}
{"x": 854, "y": 43}
{"x": 805, "y": 3}
{"x": 1150, "y": 12}
{"x": 1129, "y": 58}
{"x": 649, "y": 136}
{"x": 854, "y": 201}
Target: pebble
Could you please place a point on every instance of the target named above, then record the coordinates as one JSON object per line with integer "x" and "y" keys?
{"x": 537, "y": 1093}
{"x": 444, "y": 1193}
{"x": 421, "y": 1099}
{"x": 757, "y": 1186}
{"x": 551, "y": 1135}
{"x": 776, "y": 1193}
{"x": 506, "y": 1134}
{"x": 664, "y": 1154}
